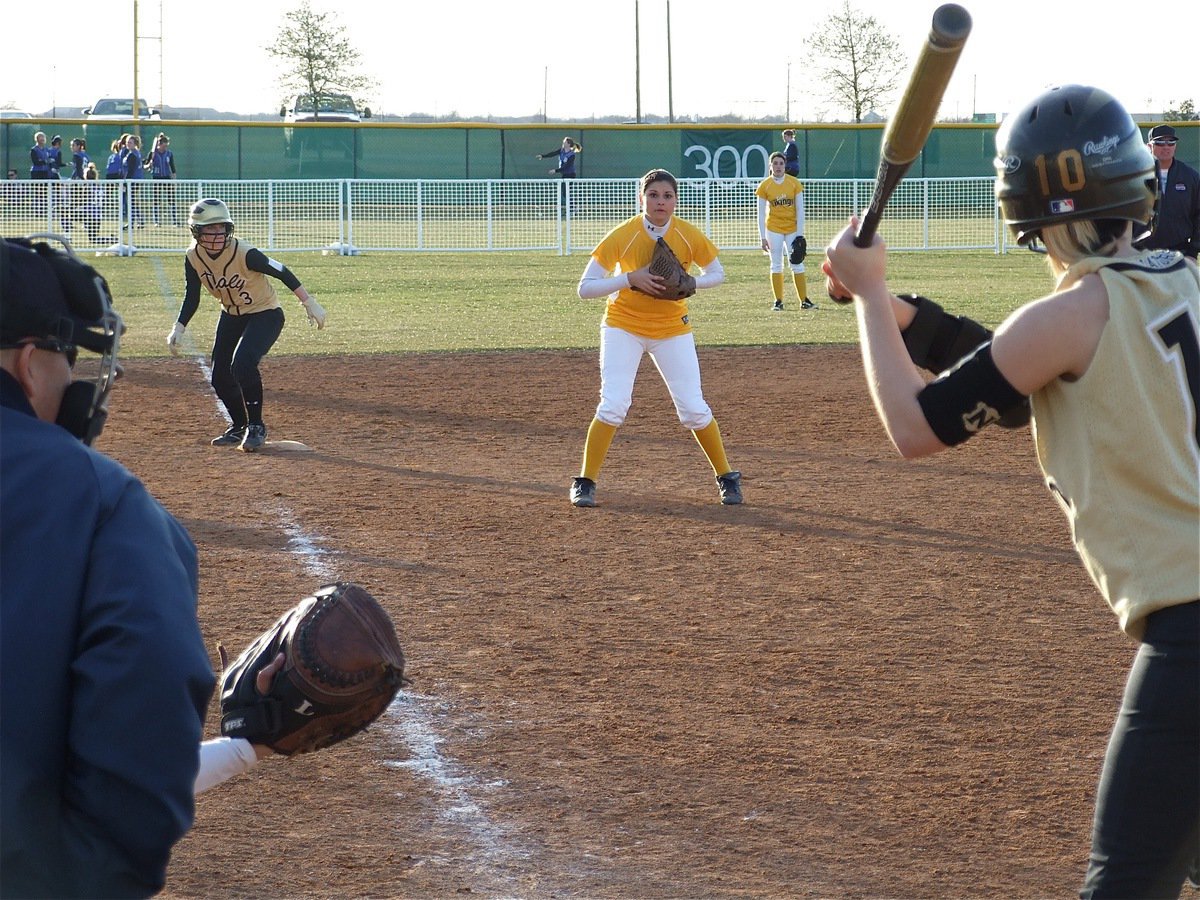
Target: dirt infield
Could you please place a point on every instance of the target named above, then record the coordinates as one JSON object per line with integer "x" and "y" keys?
{"x": 875, "y": 679}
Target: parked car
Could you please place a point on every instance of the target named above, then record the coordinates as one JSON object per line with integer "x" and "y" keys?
{"x": 15, "y": 114}
{"x": 317, "y": 143}
{"x": 116, "y": 108}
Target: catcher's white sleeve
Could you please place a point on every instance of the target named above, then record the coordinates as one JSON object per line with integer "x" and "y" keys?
{"x": 221, "y": 759}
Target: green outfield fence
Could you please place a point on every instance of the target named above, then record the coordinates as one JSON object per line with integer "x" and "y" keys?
{"x": 386, "y": 150}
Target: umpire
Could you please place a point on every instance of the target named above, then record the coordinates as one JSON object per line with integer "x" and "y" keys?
{"x": 104, "y": 679}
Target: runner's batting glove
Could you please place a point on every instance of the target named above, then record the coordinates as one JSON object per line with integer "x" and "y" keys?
{"x": 316, "y": 313}
{"x": 173, "y": 339}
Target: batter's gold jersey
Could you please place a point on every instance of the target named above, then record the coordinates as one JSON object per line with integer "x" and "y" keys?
{"x": 1120, "y": 447}
{"x": 785, "y": 204}
{"x": 628, "y": 247}
{"x": 240, "y": 289}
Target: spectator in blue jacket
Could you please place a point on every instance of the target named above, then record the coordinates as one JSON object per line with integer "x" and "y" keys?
{"x": 133, "y": 172}
{"x": 161, "y": 166}
{"x": 104, "y": 678}
{"x": 791, "y": 153}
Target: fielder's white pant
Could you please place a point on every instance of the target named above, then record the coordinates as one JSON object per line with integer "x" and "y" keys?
{"x": 675, "y": 359}
{"x": 781, "y": 249}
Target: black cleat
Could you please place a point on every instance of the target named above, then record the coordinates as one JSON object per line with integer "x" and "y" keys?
{"x": 256, "y": 436}
{"x": 583, "y": 492}
{"x": 730, "y": 485}
{"x": 778, "y": 307}
{"x": 808, "y": 304}
{"x": 231, "y": 438}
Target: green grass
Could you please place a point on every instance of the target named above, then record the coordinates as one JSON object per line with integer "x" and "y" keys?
{"x": 428, "y": 302}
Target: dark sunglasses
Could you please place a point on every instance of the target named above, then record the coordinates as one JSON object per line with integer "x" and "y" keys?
{"x": 1165, "y": 142}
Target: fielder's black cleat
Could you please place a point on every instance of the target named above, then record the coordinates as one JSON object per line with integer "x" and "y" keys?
{"x": 231, "y": 438}
{"x": 256, "y": 436}
{"x": 583, "y": 492}
{"x": 730, "y": 485}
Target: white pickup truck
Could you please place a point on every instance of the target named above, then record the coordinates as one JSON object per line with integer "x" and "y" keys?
{"x": 323, "y": 108}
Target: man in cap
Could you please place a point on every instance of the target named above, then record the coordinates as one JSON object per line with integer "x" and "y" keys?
{"x": 104, "y": 679}
{"x": 1177, "y": 213}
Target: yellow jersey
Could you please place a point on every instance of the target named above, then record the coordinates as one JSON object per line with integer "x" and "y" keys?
{"x": 785, "y": 204}
{"x": 628, "y": 247}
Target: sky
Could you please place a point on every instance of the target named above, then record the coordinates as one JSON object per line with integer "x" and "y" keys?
{"x": 578, "y": 60}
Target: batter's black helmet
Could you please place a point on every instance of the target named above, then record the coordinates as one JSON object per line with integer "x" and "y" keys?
{"x": 1072, "y": 153}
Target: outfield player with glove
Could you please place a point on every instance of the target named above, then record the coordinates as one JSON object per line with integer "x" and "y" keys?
{"x": 781, "y": 229}
{"x": 1110, "y": 363}
{"x": 641, "y": 266}
{"x": 251, "y": 317}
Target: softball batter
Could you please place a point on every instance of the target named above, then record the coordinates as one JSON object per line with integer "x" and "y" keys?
{"x": 637, "y": 322}
{"x": 1111, "y": 362}
{"x": 251, "y": 317}
{"x": 780, "y": 223}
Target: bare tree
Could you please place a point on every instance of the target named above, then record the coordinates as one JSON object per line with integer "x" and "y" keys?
{"x": 317, "y": 56}
{"x": 860, "y": 61}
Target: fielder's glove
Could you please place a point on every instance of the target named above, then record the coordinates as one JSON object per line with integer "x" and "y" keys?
{"x": 177, "y": 332}
{"x": 316, "y": 313}
{"x": 799, "y": 250}
{"x": 343, "y": 665}
{"x": 677, "y": 283}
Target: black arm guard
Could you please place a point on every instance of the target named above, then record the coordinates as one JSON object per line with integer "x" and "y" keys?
{"x": 937, "y": 340}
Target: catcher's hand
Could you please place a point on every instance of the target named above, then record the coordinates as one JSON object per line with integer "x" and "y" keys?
{"x": 674, "y": 283}
{"x": 799, "y": 250}
{"x": 342, "y": 666}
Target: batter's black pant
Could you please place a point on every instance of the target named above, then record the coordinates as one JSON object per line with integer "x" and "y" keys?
{"x": 1146, "y": 831}
{"x": 240, "y": 344}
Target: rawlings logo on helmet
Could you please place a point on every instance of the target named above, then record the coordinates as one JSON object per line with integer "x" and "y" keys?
{"x": 1008, "y": 164}
{"x": 1103, "y": 146}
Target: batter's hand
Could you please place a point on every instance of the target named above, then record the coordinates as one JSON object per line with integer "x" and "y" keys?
{"x": 177, "y": 332}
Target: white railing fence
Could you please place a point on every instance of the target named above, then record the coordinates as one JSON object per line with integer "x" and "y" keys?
{"x": 357, "y": 216}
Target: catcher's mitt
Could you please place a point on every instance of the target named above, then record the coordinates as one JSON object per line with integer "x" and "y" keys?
{"x": 343, "y": 666}
{"x": 677, "y": 283}
{"x": 799, "y": 250}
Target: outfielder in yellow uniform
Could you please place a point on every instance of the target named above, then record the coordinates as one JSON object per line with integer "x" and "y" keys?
{"x": 780, "y": 226}
{"x": 638, "y": 321}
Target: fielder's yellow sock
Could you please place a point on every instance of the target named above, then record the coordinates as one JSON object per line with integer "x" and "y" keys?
{"x": 595, "y": 448}
{"x": 777, "y": 285}
{"x": 709, "y": 439}
{"x": 801, "y": 285}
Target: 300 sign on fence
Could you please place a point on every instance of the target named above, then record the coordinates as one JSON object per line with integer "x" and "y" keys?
{"x": 726, "y": 154}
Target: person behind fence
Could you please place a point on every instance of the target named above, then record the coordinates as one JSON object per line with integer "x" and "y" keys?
{"x": 251, "y": 319}
{"x": 781, "y": 229}
{"x": 87, "y": 202}
{"x": 161, "y": 166}
{"x": 1177, "y": 217}
{"x": 566, "y": 155}
{"x": 104, "y": 676}
{"x": 638, "y": 320}
{"x": 791, "y": 153}
{"x": 132, "y": 161}
{"x": 79, "y": 159}
{"x": 1110, "y": 362}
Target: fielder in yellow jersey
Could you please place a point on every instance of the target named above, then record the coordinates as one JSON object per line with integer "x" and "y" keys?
{"x": 638, "y": 321}
{"x": 1111, "y": 363}
{"x": 251, "y": 318}
{"x": 781, "y": 229}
